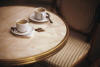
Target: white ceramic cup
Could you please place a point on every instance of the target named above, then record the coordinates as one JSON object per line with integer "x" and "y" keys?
{"x": 40, "y": 13}
{"x": 23, "y": 26}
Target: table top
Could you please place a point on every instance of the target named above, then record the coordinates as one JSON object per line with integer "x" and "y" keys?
{"x": 19, "y": 50}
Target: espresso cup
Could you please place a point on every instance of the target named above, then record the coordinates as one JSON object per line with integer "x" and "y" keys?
{"x": 40, "y": 13}
{"x": 23, "y": 26}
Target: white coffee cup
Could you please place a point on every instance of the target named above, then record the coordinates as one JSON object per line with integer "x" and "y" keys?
{"x": 23, "y": 26}
{"x": 40, "y": 13}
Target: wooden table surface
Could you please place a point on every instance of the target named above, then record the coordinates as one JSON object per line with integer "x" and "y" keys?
{"x": 18, "y": 50}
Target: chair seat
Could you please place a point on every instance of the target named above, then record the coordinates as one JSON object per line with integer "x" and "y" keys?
{"x": 75, "y": 49}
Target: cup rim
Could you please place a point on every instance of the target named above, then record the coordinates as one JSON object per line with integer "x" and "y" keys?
{"x": 22, "y": 24}
{"x": 18, "y": 21}
{"x": 36, "y": 9}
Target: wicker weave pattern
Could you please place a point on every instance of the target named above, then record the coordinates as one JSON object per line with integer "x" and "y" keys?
{"x": 73, "y": 51}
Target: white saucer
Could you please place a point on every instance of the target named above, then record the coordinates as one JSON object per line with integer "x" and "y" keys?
{"x": 32, "y": 17}
{"x": 29, "y": 33}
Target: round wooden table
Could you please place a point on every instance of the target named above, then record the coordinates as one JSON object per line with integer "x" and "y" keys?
{"x": 15, "y": 50}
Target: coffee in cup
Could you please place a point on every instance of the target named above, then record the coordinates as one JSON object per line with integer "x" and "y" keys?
{"x": 23, "y": 26}
{"x": 40, "y": 13}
